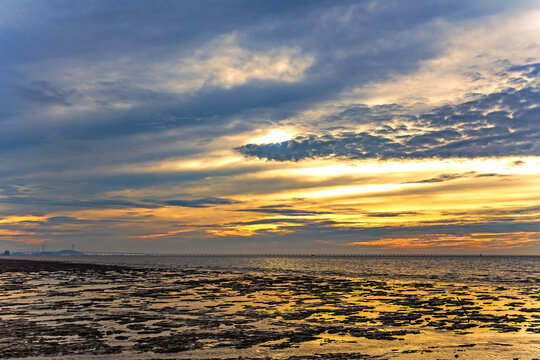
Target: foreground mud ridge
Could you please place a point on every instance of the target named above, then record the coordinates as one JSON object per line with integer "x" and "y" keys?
{"x": 52, "y": 309}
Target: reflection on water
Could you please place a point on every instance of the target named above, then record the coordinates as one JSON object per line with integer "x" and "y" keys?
{"x": 273, "y": 307}
{"x": 502, "y": 269}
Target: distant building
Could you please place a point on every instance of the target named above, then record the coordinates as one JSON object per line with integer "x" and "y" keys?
{"x": 7, "y": 253}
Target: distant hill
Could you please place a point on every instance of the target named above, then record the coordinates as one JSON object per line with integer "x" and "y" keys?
{"x": 50, "y": 253}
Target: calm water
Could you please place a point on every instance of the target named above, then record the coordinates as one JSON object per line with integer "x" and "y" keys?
{"x": 503, "y": 269}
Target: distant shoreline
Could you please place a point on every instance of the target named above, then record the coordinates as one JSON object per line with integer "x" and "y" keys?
{"x": 105, "y": 253}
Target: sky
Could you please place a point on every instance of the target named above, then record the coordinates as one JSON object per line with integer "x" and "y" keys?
{"x": 270, "y": 127}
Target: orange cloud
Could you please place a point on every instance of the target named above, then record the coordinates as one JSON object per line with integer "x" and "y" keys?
{"x": 473, "y": 240}
{"x": 168, "y": 233}
{"x": 18, "y": 219}
{"x": 4, "y": 232}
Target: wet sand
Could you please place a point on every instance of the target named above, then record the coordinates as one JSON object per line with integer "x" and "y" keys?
{"x": 86, "y": 311}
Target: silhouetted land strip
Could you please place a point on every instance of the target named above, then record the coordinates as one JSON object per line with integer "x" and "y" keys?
{"x": 17, "y": 265}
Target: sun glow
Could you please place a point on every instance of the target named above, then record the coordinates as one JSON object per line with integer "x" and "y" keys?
{"x": 274, "y": 136}
{"x": 329, "y": 168}
{"x": 345, "y": 191}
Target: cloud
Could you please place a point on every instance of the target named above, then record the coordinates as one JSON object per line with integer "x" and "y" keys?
{"x": 449, "y": 177}
{"x": 199, "y": 203}
{"x": 465, "y": 130}
{"x": 391, "y": 214}
{"x": 528, "y": 70}
{"x": 120, "y": 124}
{"x": 480, "y": 241}
{"x": 477, "y": 57}
{"x": 72, "y": 203}
{"x": 529, "y": 210}
{"x": 288, "y": 220}
{"x": 282, "y": 210}
{"x": 225, "y": 64}
{"x": 44, "y": 92}
{"x": 59, "y": 203}
{"x": 220, "y": 63}
{"x": 441, "y": 178}
{"x": 58, "y": 220}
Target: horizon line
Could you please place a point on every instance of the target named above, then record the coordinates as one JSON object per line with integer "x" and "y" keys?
{"x": 121, "y": 253}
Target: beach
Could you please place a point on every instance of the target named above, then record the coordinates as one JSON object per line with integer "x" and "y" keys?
{"x": 78, "y": 309}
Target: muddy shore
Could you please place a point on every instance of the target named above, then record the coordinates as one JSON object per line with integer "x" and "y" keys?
{"x": 71, "y": 310}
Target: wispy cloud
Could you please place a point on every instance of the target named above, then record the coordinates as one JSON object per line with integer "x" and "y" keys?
{"x": 206, "y": 202}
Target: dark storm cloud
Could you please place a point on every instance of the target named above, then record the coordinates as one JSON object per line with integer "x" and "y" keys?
{"x": 448, "y": 132}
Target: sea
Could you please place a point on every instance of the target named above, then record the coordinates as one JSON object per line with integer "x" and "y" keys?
{"x": 269, "y": 307}
{"x": 471, "y": 268}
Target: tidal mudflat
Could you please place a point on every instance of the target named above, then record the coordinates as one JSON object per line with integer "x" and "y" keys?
{"x": 91, "y": 311}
